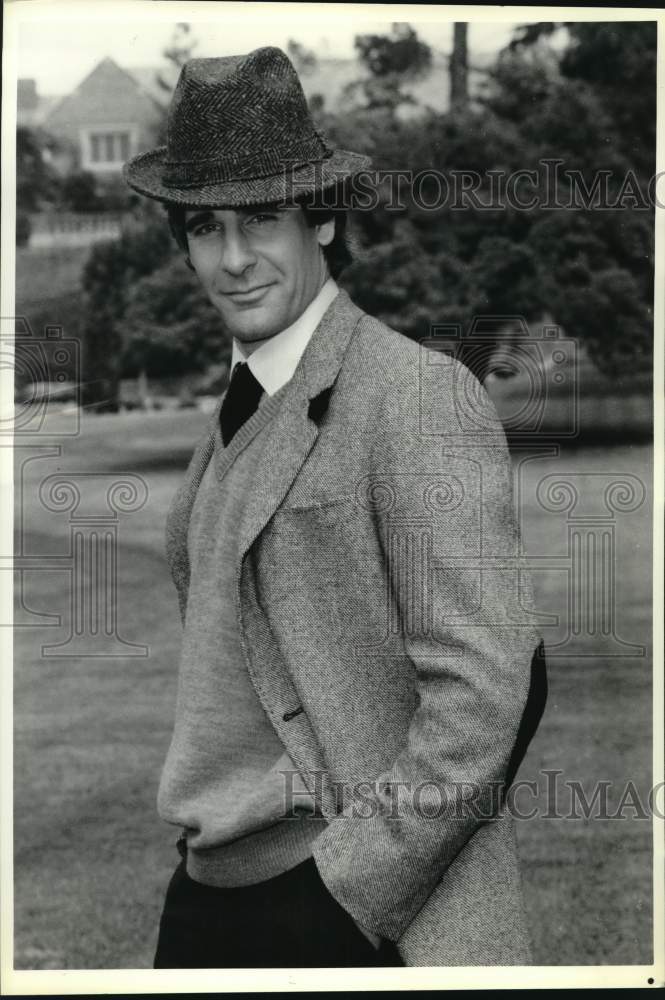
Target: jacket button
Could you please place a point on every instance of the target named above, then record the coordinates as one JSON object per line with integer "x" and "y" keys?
{"x": 291, "y": 715}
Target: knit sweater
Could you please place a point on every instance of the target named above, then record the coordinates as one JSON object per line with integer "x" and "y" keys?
{"x": 222, "y": 779}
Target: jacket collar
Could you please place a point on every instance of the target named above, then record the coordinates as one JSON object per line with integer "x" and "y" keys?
{"x": 323, "y": 356}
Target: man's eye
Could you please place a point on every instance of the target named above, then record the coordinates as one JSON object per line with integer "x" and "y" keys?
{"x": 261, "y": 218}
{"x": 204, "y": 229}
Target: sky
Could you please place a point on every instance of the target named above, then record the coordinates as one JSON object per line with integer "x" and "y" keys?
{"x": 58, "y": 51}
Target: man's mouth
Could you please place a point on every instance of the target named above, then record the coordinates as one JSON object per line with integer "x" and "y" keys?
{"x": 248, "y": 295}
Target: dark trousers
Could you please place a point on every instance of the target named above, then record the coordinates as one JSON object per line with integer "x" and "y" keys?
{"x": 289, "y": 921}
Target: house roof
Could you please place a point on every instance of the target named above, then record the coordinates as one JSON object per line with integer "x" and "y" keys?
{"x": 108, "y": 93}
{"x": 148, "y": 78}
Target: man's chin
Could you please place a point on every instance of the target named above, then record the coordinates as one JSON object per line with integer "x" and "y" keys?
{"x": 251, "y": 334}
{"x": 250, "y": 324}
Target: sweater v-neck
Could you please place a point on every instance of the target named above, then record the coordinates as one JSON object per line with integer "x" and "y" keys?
{"x": 224, "y": 456}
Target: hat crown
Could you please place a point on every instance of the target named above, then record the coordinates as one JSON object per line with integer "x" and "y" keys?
{"x": 235, "y": 109}
{"x": 240, "y": 132}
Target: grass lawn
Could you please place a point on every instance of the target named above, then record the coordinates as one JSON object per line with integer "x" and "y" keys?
{"x": 92, "y": 859}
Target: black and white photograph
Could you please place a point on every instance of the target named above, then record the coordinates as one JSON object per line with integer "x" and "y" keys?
{"x": 332, "y": 444}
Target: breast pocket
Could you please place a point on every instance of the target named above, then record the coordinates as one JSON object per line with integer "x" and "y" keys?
{"x": 322, "y": 573}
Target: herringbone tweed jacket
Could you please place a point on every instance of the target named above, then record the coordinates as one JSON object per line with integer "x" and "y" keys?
{"x": 385, "y": 633}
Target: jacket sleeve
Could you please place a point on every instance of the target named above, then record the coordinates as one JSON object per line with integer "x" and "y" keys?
{"x": 440, "y": 467}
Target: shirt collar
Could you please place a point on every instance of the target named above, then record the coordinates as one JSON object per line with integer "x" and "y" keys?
{"x": 273, "y": 361}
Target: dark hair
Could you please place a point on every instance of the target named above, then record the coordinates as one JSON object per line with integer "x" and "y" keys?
{"x": 338, "y": 254}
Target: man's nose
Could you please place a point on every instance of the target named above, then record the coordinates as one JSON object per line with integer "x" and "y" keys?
{"x": 237, "y": 254}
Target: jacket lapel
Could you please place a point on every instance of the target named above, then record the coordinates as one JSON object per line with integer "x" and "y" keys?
{"x": 293, "y": 431}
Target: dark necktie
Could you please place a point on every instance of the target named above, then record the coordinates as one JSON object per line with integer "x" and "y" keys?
{"x": 240, "y": 402}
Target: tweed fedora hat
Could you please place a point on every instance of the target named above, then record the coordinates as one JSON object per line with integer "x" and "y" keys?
{"x": 240, "y": 133}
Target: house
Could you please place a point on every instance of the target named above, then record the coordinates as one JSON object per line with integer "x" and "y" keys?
{"x": 109, "y": 117}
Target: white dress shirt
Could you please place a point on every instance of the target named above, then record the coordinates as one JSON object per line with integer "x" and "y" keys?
{"x": 273, "y": 361}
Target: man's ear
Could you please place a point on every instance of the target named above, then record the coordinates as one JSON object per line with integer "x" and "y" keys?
{"x": 325, "y": 233}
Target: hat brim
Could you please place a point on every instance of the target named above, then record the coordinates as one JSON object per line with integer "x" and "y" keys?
{"x": 144, "y": 173}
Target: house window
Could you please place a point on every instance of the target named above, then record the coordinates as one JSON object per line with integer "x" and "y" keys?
{"x": 109, "y": 147}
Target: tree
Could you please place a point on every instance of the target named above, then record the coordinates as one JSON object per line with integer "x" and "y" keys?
{"x": 37, "y": 183}
{"x": 401, "y": 53}
{"x": 391, "y": 61}
{"x": 145, "y": 312}
{"x": 111, "y": 271}
{"x": 459, "y": 90}
{"x": 591, "y": 270}
{"x": 303, "y": 59}
{"x": 618, "y": 60}
{"x": 598, "y": 113}
{"x": 170, "y": 327}
{"x": 79, "y": 192}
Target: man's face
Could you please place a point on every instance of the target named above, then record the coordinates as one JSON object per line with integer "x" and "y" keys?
{"x": 260, "y": 267}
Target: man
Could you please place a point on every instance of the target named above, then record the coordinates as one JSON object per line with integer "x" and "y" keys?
{"x": 346, "y": 559}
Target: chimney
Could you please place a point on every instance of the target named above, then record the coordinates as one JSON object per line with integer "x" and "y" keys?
{"x": 27, "y": 95}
